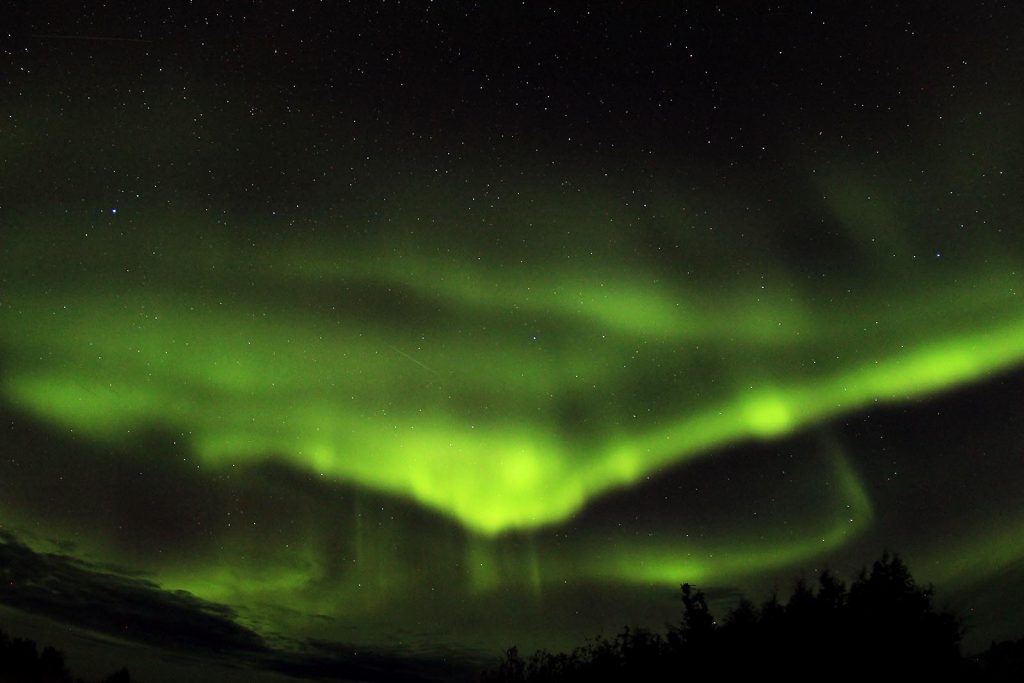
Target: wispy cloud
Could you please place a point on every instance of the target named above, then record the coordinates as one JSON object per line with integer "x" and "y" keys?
{"x": 108, "y": 601}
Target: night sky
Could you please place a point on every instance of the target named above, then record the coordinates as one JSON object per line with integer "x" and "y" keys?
{"x": 365, "y": 341}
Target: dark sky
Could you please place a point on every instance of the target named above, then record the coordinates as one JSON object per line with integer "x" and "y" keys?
{"x": 364, "y": 341}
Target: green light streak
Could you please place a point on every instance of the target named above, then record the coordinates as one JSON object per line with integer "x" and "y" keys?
{"x": 670, "y": 561}
{"x": 504, "y": 397}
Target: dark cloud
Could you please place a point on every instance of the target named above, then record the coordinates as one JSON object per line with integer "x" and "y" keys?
{"x": 129, "y": 606}
{"x": 113, "y": 602}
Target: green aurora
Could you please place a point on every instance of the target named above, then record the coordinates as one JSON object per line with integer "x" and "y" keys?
{"x": 505, "y": 395}
{"x": 441, "y": 393}
{"x": 500, "y": 414}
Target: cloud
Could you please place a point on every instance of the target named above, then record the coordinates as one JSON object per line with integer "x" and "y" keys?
{"x": 129, "y": 606}
{"x": 115, "y": 602}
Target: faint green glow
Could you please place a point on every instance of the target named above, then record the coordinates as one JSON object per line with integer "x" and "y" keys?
{"x": 979, "y": 554}
{"x": 671, "y": 560}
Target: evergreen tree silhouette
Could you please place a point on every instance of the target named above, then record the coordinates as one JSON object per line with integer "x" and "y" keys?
{"x": 21, "y": 662}
{"x": 882, "y": 627}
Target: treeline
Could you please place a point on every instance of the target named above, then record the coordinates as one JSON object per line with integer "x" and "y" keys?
{"x": 881, "y": 627}
{"x": 22, "y": 662}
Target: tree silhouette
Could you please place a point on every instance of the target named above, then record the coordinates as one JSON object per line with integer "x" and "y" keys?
{"x": 1001, "y": 663}
{"x": 884, "y": 626}
{"x": 21, "y": 662}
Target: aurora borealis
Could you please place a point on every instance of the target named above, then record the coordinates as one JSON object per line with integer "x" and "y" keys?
{"x": 366, "y": 325}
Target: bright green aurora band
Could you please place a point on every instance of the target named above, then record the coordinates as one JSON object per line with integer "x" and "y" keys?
{"x": 505, "y": 388}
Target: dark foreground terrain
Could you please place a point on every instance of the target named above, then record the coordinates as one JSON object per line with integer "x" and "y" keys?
{"x": 881, "y": 627}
